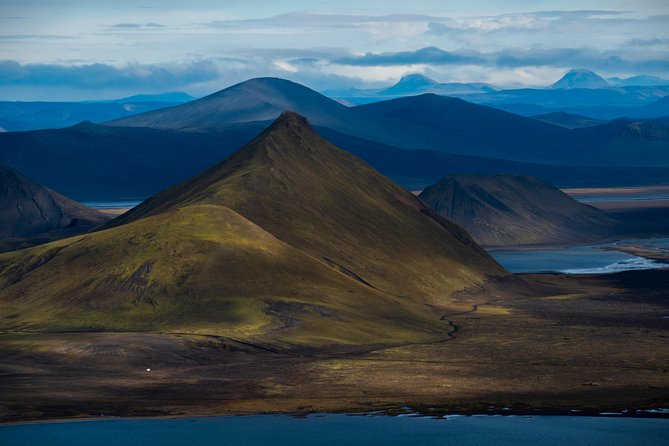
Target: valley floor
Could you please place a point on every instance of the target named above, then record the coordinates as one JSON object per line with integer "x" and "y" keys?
{"x": 593, "y": 343}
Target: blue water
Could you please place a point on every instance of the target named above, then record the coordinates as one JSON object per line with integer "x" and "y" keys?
{"x": 345, "y": 430}
{"x": 590, "y": 259}
{"x": 115, "y": 204}
{"x": 621, "y": 199}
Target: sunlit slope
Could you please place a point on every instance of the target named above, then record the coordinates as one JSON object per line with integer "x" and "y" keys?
{"x": 323, "y": 200}
{"x": 200, "y": 269}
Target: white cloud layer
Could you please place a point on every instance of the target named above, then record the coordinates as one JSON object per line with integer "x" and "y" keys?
{"x": 323, "y": 44}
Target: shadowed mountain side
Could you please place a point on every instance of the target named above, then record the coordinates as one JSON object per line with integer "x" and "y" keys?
{"x": 457, "y": 126}
{"x": 31, "y": 212}
{"x": 426, "y": 122}
{"x": 289, "y": 241}
{"x": 417, "y": 169}
{"x": 626, "y": 143}
{"x": 568, "y": 120}
{"x": 262, "y": 99}
{"x": 96, "y": 162}
{"x": 516, "y": 210}
{"x": 21, "y": 116}
{"x": 483, "y": 131}
{"x": 323, "y": 200}
{"x": 90, "y": 161}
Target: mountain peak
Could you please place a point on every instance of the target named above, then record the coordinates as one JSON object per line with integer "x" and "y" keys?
{"x": 313, "y": 195}
{"x": 291, "y": 119}
{"x": 580, "y": 78}
{"x": 505, "y": 210}
{"x": 411, "y": 83}
{"x": 416, "y": 79}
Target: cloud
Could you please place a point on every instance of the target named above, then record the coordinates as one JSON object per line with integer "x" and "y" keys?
{"x": 610, "y": 61}
{"x": 653, "y": 41}
{"x": 304, "y": 19}
{"x": 35, "y": 37}
{"x": 137, "y": 25}
{"x": 101, "y": 76}
{"x": 428, "y": 55}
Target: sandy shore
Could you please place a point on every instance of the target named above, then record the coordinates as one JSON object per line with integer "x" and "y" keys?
{"x": 617, "y": 191}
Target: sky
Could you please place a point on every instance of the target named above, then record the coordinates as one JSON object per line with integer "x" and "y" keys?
{"x": 91, "y": 49}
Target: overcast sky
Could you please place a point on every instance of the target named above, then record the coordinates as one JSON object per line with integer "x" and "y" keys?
{"x": 89, "y": 49}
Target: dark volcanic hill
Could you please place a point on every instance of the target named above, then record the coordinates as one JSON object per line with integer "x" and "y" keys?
{"x": 290, "y": 240}
{"x": 30, "y": 211}
{"x": 508, "y": 210}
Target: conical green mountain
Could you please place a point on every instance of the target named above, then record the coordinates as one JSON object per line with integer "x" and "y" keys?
{"x": 290, "y": 240}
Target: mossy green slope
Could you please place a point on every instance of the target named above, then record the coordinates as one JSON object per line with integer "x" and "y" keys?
{"x": 289, "y": 241}
{"x": 199, "y": 269}
{"x": 325, "y": 201}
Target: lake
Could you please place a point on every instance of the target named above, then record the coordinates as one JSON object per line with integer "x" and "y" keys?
{"x": 111, "y": 204}
{"x": 585, "y": 259}
{"x": 326, "y": 430}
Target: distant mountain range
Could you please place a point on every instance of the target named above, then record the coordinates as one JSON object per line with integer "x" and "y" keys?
{"x": 428, "y": 121}
{"x": 577, "y": 92}
{"x": 20, "y": 116}
{"x": 411, "y": 85}
{"x": 31, "y": 213}
{"x": 416, "y": 140}
{"x": 580, "y": 92}
{"x": 637, "y": 81}
{"x": 507, "y": 210}
{"x": 289, "y": 242}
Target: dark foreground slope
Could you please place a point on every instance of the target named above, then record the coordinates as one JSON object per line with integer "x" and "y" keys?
{"x": 516, "y": 210}
{"x": 30, "y": 212}
{"x": 92, "y": 162}
{"x": 289, "y": 241}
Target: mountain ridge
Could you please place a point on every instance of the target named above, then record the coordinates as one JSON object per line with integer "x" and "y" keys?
{"x": 579, "y": 78}
{"x": 507, "y": 210}
{"x": 32, "y": 213}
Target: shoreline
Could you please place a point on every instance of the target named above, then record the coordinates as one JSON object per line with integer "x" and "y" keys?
{"x": 432, "y": 412}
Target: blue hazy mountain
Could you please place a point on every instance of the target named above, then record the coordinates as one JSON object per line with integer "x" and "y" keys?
{"x": 415, "y": 140}
{"x": 638, "y": 81}
{"x": 569, "y": 120}
{"x": 414, "y": 84}
{"x": 580, "y": 79}
{"x": 410, "y": 84}
{"x": 18, "y": 115}
{"x": 577, "y": 92}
